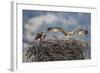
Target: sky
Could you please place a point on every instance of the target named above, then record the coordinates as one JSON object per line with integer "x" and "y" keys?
{"x": 38, "y": 21}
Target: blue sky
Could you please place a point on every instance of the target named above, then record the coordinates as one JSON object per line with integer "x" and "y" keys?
{"x": 38, "y": 21}
{"x": 83, "y": 19}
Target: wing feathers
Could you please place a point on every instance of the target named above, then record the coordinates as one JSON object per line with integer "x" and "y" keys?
{"x": 81, "y": 32}
{"x": 58, "y": 29}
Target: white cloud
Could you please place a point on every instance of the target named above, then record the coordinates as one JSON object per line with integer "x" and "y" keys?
{"x": 50, "y": 19}
{"x": 72, "y": 21}
{"x": 35, "y": 22}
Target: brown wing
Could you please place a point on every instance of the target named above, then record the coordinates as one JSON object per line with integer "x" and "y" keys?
{"x": 57, "y": 29}
{"x": 81, "y": 32}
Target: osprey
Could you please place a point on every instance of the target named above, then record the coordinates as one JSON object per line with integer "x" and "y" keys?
{"x": 68, "y": 34}
{"x": 40, "y": 36}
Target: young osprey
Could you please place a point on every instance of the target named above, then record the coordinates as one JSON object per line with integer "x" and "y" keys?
{"x": 40, "y": 36}
{"x": 68, "y": 34}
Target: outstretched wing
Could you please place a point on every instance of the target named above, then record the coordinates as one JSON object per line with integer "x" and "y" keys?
{"x": 55, "y": 29}
{"x": 81, "y": 32}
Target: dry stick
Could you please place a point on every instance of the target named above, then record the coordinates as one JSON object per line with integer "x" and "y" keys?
{"x": 56, "y": 50}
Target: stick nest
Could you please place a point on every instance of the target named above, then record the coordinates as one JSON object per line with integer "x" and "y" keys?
{"x": 55, "y": 50}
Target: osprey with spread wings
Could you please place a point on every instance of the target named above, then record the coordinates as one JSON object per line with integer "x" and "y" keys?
{"x": 68, "y": 34}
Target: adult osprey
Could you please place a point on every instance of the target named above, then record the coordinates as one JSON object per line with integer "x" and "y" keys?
{"x": 68, "y": 34}
{"x": 40, "y": 36}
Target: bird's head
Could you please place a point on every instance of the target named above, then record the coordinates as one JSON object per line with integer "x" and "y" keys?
{"x": 70, "y": 33}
